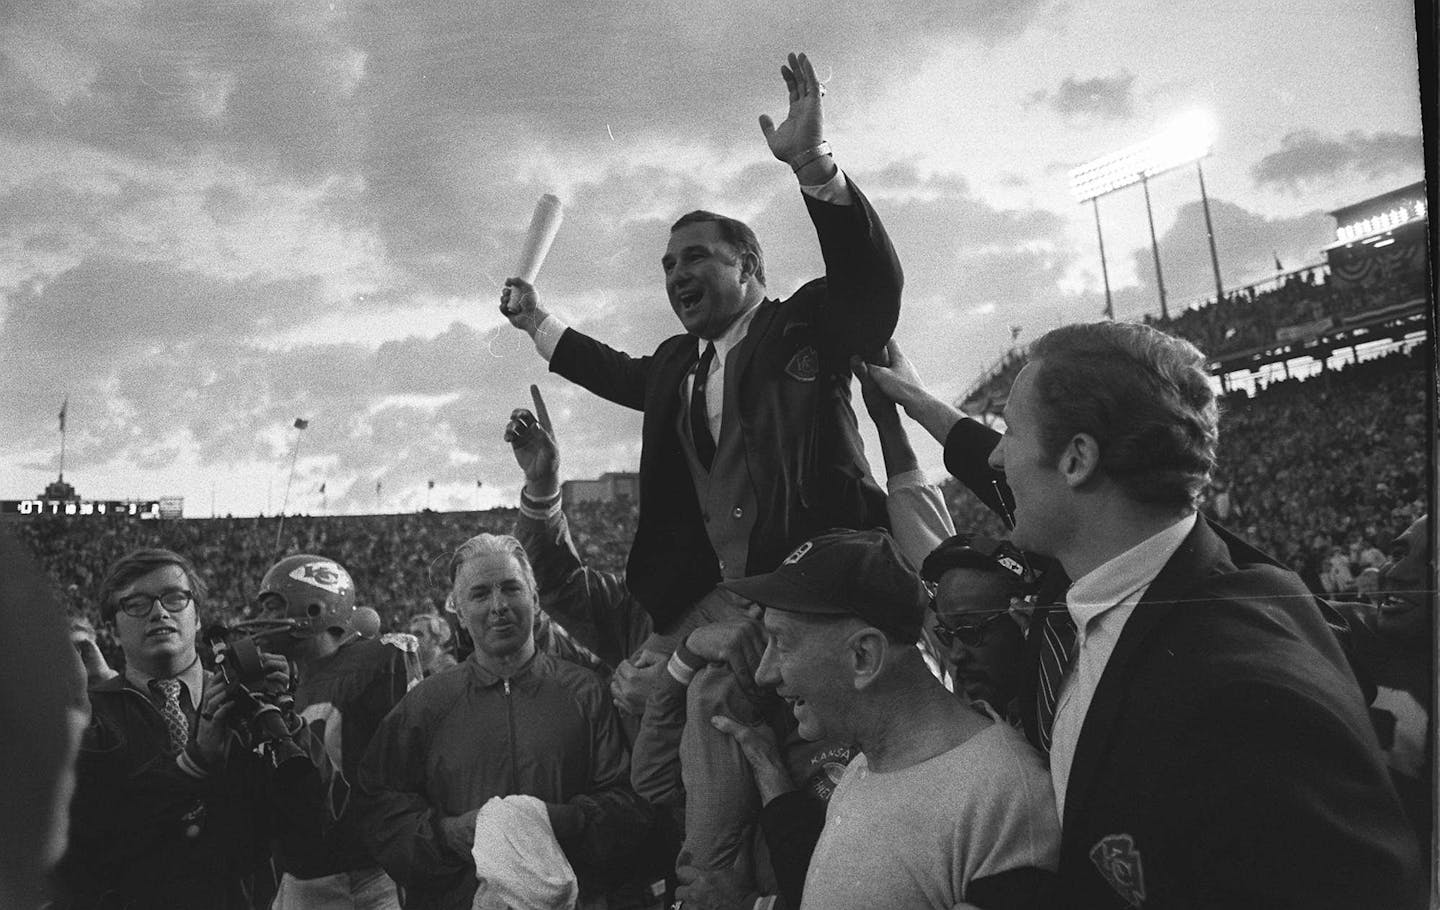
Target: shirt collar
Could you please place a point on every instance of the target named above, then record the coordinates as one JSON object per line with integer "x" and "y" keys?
{"x": 192, "y": 676}
{"x": 733, "y": 335}
{"x": 1121, "y": 578}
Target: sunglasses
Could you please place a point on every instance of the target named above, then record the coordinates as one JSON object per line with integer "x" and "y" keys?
{"x": 971, "y": 635}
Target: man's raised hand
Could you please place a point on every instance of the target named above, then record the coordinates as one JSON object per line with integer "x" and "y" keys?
{"x": 532, "y": 439}
{"x": 521, "y": 305}
{"x": 804, "y": 126}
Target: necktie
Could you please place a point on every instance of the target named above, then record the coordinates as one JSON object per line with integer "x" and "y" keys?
{"x": 1057, "y": 650}
{"x": 174, "y": 716}
{"x": 699, "y": 412}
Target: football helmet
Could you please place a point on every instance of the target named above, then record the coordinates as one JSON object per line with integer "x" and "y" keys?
{"x": 305, "y": 595}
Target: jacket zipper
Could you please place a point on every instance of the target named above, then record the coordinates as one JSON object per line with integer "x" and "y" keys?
{"x": 510, "y": 720}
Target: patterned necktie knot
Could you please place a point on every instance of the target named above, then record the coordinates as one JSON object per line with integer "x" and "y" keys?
{"x": 175, "y": 721}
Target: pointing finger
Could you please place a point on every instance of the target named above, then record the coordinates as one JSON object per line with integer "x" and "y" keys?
{"x": 541, "y": 413}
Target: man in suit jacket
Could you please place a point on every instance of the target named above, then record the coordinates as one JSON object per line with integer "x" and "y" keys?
{"x": 788, "y": 460}
{"x": 1208, "y": 742}
{"x": 1210, "y": 746}
{"x": 749, "y": 443}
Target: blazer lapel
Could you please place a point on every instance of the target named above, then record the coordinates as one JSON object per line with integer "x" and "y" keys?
{"x": 1195, "y": 559}
{"x": 666, "y": 394}
{"x": 738, "y": 363}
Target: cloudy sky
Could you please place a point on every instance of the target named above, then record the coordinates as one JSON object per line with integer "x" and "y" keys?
{"x": 219, "y": 215}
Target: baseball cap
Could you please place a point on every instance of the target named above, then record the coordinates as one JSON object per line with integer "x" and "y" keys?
{"x": 976, "y": 551}
{"x": 844, "y": 573}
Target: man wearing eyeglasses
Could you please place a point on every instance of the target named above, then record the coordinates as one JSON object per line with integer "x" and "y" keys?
{"x": 169, "y": 810}
{"x": 978, "y": 617}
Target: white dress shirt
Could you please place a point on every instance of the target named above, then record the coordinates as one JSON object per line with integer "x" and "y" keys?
{"x": 1101, "y": 602}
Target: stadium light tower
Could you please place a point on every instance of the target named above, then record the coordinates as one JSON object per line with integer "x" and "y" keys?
{"x": 1189, "y": 139}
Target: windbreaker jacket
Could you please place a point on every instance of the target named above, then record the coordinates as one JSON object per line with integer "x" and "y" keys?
{"x": 465, "y": 735}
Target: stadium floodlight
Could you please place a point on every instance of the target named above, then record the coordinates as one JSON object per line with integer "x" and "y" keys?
{"x": 1188, "y": 139}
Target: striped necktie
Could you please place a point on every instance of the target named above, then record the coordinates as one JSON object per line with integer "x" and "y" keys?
{"x": 174, "y": 715}
{"x": 699, "y": 410}
{"x": 1057, "y": 651}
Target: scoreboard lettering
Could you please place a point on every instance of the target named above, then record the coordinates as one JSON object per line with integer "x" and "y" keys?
{"x": 147, "y": 509}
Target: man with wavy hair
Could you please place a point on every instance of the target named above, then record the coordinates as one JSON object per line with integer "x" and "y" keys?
{"x": 1208, "y": 742}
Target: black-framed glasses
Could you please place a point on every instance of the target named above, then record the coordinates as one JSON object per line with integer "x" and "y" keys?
{"x": 138, "y": 605}
{"x": 971, "y": 635}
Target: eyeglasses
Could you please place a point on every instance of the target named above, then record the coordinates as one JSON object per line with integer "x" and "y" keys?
{"x": 971, "y": 635}
{"x": 138, "y": 605}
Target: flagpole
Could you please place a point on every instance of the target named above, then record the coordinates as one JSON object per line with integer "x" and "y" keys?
{"x": 294, "y": 457}
{"x": 64, "y": 406}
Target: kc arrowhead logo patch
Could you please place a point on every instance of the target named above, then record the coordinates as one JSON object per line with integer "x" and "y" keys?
{"x": 1119, "y": 864}
{"x": 327, "y": 576}
{"x": 805, "y": 365}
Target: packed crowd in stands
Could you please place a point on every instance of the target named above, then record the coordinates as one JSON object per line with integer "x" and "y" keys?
{"x": 1242, "y": 320}
{"x": 1245, "y": 319}
{"x": 398, "y": 561}
{"x": 1320, "y": 471}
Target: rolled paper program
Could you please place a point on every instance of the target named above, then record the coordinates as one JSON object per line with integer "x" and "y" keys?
{"x": 543, "y": 226}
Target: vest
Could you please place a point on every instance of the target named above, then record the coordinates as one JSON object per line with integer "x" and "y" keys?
{"x": 725, "y": 492}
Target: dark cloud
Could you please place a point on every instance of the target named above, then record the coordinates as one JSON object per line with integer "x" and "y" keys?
{"x": 1307, "y": 157}
{"x": 1103, "y": 97}
{"x": 438, "y": 109}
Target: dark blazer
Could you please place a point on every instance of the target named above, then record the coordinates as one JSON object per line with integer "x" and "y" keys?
{"x": 802, "y": 444}
{"x": 1227, "y": 759}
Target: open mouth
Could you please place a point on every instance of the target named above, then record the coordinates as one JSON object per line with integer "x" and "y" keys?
{"x": 161, "y": 633}
{"x": 689, "y": 298}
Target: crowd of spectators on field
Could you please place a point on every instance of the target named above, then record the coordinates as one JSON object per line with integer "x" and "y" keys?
{"x": 805, "y": 690}
{"x": 1317, "y": 472}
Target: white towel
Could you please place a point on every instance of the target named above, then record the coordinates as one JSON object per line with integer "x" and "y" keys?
{"x": 517, "y": 859}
